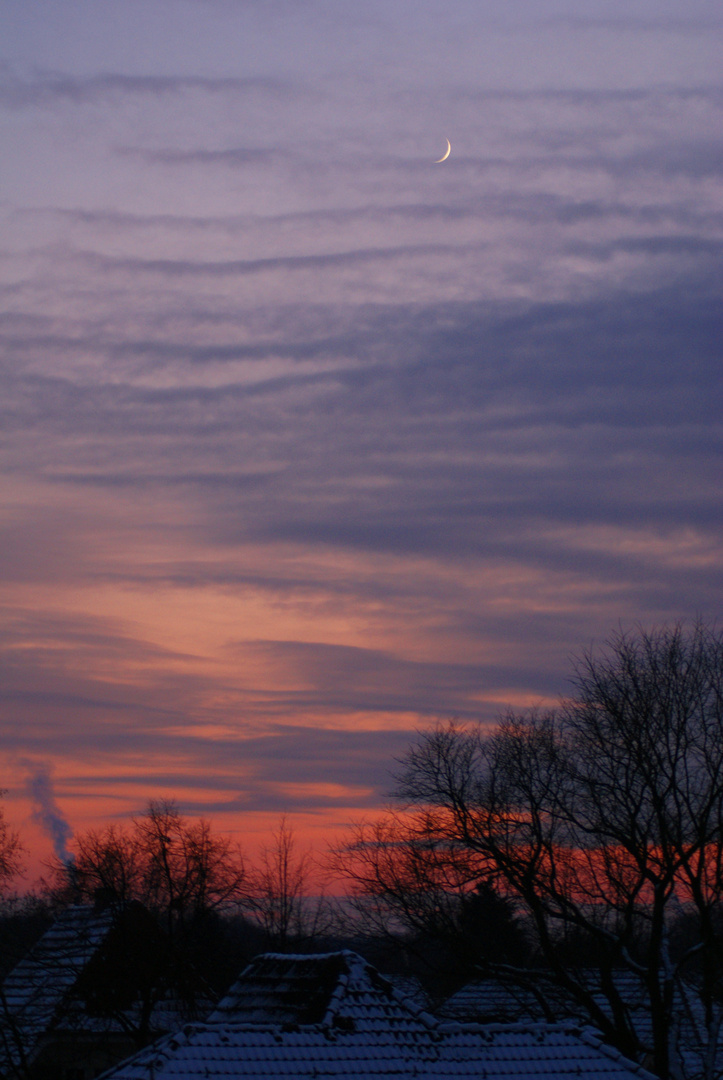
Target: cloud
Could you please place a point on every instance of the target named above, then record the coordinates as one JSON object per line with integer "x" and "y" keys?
{"x": 451, "y": 409}
{"x": 234, "y": 267}
{"x": 307, "y": 442}
{"x": 167, "y": 734}
{"x": 55, "y": 88}
{"x": 232, "y": 157}
{"x": 696, "y": 23}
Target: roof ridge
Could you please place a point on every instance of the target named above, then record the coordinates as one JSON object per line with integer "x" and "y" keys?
{"x": 342, "y": 985}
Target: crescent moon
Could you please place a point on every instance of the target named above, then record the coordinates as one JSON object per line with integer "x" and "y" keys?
{"x": 445, "y": 155}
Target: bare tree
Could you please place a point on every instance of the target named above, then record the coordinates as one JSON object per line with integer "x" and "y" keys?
{"x": 11, "y": 851}
{"x": 187, "y": 870}
{"x": 183, "y": 874}
{"x": 178, "y": 868}
{"x": 429, "y": 899}
{"x": 602, "y": 818}
{"x": 110, "y": 861}
{"x": 279, "y": 894}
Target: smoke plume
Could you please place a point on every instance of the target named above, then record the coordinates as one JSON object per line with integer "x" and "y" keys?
{"x": 47, "y": 813}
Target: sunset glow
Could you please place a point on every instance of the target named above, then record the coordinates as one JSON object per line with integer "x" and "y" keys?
{"x": 306, "y": 444}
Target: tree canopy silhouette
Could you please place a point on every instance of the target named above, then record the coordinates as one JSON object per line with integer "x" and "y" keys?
{"x": 601, "y": 819}
{"x": 11, "y": 851}
{"x": 177, "y": 868}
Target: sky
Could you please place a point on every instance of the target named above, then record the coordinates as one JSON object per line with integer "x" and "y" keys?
{"x": 307, "y": 440}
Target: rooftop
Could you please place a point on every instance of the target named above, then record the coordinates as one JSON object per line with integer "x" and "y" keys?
{"x": 334, "y": 1016}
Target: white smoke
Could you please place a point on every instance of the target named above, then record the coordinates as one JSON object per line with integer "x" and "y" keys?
{"x": 46, "y": 811}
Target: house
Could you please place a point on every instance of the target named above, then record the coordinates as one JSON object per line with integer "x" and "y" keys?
{"x": 494, "y": 1000}
{"x": 334, "y": 1016}
{"x": 86, "y": 996}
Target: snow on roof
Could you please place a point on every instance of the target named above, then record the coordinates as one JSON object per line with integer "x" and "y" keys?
{"x": 411, "y": 989}
{"x": 354, "y": 1025}
{"x": 254, "y": 1052}
{"x": 44, "y": 992}
{"x": 334, "y": 989}
{"x": 492, "y": 999}
{"x": 36, "y": 987}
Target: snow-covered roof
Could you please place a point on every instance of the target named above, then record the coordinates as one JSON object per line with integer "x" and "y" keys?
{"x": 35, "y": 989}
{"x": 333, "y": 989}
{"x": 353, "y": 1024}
{"x": 412, "y": 990}
{"x": 47, "y": 991}
{"x": 491, "y": 999}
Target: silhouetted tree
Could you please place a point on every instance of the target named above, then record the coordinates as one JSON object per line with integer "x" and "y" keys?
{"x": 602, "y": 817}
{"x": 428, "y": 897}
{"x": 279, "y": 894}
{"x": 111, "y": 862}
{"x": 177, "y": 868}
{"x": 11, "y": 851}
{"x": 187, "y": 870}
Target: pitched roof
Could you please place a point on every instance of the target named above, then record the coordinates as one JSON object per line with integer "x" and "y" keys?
{"x": 54, "y": 988}
{"x": 492, "y": 999}
{"x": 412, "y": 990}
{"x": 35, "y": 989}
{"x": 505, "y": 1052}
{"x": 333, "y": 989}
{"x": 336, "y": 1017}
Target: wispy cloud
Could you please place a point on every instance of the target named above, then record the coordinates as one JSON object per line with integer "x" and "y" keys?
{"x": 237, "y": 267}
{"x": 232, "y": 157}
{"x": 307, "y": 439}
{"x": 50, "y": 88}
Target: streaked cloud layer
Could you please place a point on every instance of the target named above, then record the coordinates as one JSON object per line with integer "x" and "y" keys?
{"x": 306, "y": 440}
